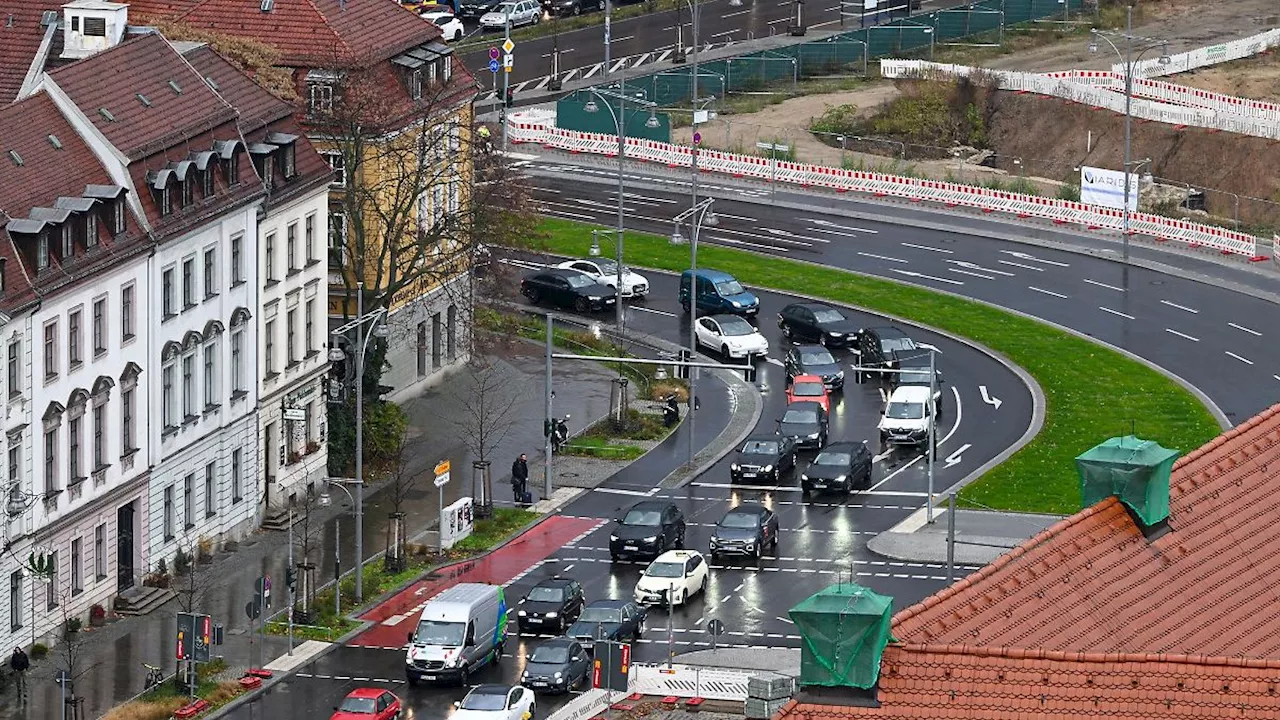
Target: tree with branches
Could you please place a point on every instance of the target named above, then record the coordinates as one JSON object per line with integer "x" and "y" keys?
{"x": 401, "y": 480}
{"x": 487, "y": 398}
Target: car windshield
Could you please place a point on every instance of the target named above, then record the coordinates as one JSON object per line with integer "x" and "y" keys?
{"x": 894, "y": 344}
{"x": 609, "y": 267}
{"x": 730, "y": 287}
{"x": 739, "y": 520}
{"x": 648, "y": 518}
{"x": 833, "y": 458}
{"x": 506, "y": 8}
{"x": 665, "y": 570}
{"x": 817, "y": 357}
{"x": 546, "y": 594}
{"x": 904, "y": 411}
{"x": 484, "y": 701}
{"x": 357, "y": 705}
{"x": 760, "y": 447}
{"x": 432, "y": 632}
{"x": 827, "y": 316}
{"x": 557, "y": 654}
{"x": 577, "y": 281}
{"x": 736, "y": 326}
{"x": 800, "y": 416}
{"x": 443, "y": 19}
{"x": 808, "y": 389}
{"x": 601, "y": 615}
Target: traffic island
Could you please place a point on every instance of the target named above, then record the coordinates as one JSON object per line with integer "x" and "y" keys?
{"x": 214, "y": 689}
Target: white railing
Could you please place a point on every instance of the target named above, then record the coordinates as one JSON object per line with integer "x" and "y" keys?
{"x": 688, "y": 681}
{"x": 1205, "y": 56}
{"x": 538, "y": 129}
{"x": 585, "y": 706}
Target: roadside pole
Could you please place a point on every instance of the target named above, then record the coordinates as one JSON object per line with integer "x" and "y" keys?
{"x": 289, "y": 573}
{"x": 671, "y": 633}
{"x": 442, "y": 479}
{"x": 507, "y": 62}
{"x": 337, "y": 569}
{"x": 951, "y": 538}
{"x": 932, "y": 409}
{"x": 548, "y": 427}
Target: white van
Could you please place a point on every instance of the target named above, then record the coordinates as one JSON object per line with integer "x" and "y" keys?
{"x": 907, "y": 417}
{"x": 460, "y": 631}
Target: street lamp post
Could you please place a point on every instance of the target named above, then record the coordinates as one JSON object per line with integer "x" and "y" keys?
{"x": 697, "y": 216}
{"x": 325, "y": 500}
{"x": 1147, "y": 44}
{"x": 336, "y": 354}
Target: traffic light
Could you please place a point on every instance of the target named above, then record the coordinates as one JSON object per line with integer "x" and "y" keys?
{"x": 291, "y": 578}
{"x": 682, "y": 371}
{"x": 510, "y": 98}
{"x": 547, "y": 426}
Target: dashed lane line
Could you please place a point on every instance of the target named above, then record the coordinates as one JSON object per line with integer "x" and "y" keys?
{"x": 1104, "y": 285}
{"x": 1116, "y": 312}
{"x": 1244, "y": 360}
{"x": 1184, "y": 308}
{"x": 1047, "y": 292}
{"x": 1245, "y": 329}
{"x": 1184, "y": 336}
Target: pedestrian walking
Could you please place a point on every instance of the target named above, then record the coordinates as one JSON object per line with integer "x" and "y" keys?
{"x": 520, "y": 479}
{"x": 19, "y": 662}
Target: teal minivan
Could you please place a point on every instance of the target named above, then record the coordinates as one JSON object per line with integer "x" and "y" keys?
{"x": 718, "y": 292}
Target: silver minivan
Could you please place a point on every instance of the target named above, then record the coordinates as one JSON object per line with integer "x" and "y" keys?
{"x": 460, "y": 631}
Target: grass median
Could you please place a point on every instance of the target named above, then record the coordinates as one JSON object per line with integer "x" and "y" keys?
{"x": 1091, "y": 392}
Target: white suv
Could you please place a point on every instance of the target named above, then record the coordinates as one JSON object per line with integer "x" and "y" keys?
{"x": 678, "y": 573}
{"x": 907, "y": 417}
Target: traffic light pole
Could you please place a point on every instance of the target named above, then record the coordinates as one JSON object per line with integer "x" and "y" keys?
{"x": 289, "y": 578}
{"x": 506, "y": 83}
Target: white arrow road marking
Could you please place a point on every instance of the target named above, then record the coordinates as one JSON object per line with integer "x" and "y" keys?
{"x": 891, "y": 475}
{"x": 988, "y": 399}
{"x": 1245, "y": 329}
{"x": 1180, "y": 307}
{"x": 908, "y": 273}
{"x": 1181, "y": 335}
{"x": 789, "y": 234}
{"x": 828, "y": 223}
{"x": 926, "y": 247}
{"x": 883, "y": 257}
{"x": 774, "y": 361}
{"x": 975, "y": 266}
{"x": 1099, "y": 284}
{"x": 1047, "y": 292}
{"x": 954, "y": 458}
{"x": 882, "y": 456}
{"x": 1116, "y": 312}
{"x": 1033, "y": 258}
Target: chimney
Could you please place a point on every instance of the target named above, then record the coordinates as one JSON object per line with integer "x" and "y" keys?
{"x": 1135, "y": 471}
{"x": 844, "y": 631}
{"x": 91, "y": 26}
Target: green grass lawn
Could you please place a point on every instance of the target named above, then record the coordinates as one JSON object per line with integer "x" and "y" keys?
{"x": 1092, "y": 393}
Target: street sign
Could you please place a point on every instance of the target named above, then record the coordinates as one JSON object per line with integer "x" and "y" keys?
{"x": 715, "y": 627}
{"x": 508, "y": 61}
{"x": 493, "y": 65}
{"x": 186, "y": 631}
{"x": 295, "y": 414}
{"x": 253, "y": 609}
{"x": 203, "y": 639}
{"x": 610, "y": 666}
{"x": 262, "y": 592}
{"x": 697, "y": 138}
{"x": 508, "y": 46}
{"x": 493, "y": 53}
{"x": 442, "y": 473}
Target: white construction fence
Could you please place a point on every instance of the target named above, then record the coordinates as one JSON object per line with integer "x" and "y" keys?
{"x": 1205, "y": 56}
{"x": 688, "y": 681}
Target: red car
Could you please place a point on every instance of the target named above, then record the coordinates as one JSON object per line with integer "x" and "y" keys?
{"x": 368, "y": 704}
{"x": 809, "y": 388}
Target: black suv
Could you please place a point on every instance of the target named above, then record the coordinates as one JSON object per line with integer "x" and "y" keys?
{"x": 649, "y": 529}
{"x": 567, "y": 289}
{"x": 816, "y": 322}
{"x": 764, "y": 456}
{"x": 814, "y": 360}
{"x": 745, "y": 530}
{"x": 608, "y": 620}
{"x": 840, "y": 466}
{"x": 551, "y": 605}
{"x": 571, "y": 7}
{"x": 875, "y": 347}
{"x": 805, "y": 423}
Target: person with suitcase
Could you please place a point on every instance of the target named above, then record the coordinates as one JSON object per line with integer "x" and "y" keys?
{"x": 520, "y": 480}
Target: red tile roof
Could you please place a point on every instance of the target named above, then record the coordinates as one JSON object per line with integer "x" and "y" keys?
{"x": 20, "y": 38}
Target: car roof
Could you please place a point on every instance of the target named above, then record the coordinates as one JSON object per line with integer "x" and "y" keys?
{"x": 805, "y": 405}
{"x": 747, "y": 508}
{"x": 842, "y": 447}
{"x": 721, "y": 317}
{"x": 809, "y": 347}
{"x": 806, "y": 378}
{"x": 888, "y": 331}
{"x": 652, "y": 505}
{"x": 762, "y": 438}
{"x": 676, "y": 556}
{"x": 608, "y": 603}
{"x": 562, "y": 272}
{"x": 366, "y": 692}
{"x": 910, "y": 393}
{"x": 712, "y": 275}
{"x": 557, "y": 582}
{"x": 814, "y": 306}
{"x": 490, "y": 689}
{"x": 561, "y": 641}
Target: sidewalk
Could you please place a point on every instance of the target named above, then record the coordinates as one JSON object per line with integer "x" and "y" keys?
{"x": 112, "y": 656}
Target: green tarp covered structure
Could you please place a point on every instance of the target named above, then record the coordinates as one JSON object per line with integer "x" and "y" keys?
{"x": 845, "y": 629}
{"x": 1134, "y": 470}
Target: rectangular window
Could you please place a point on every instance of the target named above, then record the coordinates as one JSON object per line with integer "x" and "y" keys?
{"x": 237, "y": 361}
{"x": 339, "y": 166}
{"x": 126, "y": 313}
{"x": 90, "y": 230}
{"x": 118, "y": 216}
{"x": 99, "y": 327}
{"x": 51, "y": 460}
{"x": 291, "y": 246}
{"x": 100, "y": 552}
{"x": 168, "y": 408}
{"x": 231, "y": 168}
{"x": 309, "y": 234}
{"x": 319, "y": 98}
{"x": 73, "y": 442}
{"x": 188, "y": 283}
{"x": 337, "y": 239}
{"x": 269, "y": 347}
{"x": 15, "y": 368}
{"x": 210, "y": 470}
{"x": 68, "y": 241}
{"x": 15, "y": 463}
{"x": 126, "y": 420}
{"x": 210, "y": 272}
{"x": 51, "y": 588}
{"x": 166, "y": 293}
{"x": 309, "y": 336}
{"x": 99, "y": 437}
{"x": 188, "y": 501}
{"x": 42, "y": 251}
{"x": 269, "y": 262}
{"x": 73, "y": 339}
{"x": 206, "y": 183}
{"x": 16, "y": 600}
{"x": 288, "y": 163}
{"x": 164, "y": 199}
{"x": 235, "y": 475}
{"x": 168, "y": 513}
{"x": 95, "y": 26}
{"x": 188, "y": 386}
{"x": 268, "y": 171}
{"x": 210, "y": 375}
{"x": 237, "y": 259}
{"x": 291, "y": 333}
{"x": 415, "y": 83}
{"x": 187, "y": 189}
{"x": 77, "y": 566}
{"x": 50, "y": 350}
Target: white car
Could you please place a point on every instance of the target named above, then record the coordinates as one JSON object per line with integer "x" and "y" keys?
{"x": 732, "y": 336}
{"x": 451, "y": 28}
{"x": 522, "y": 12}
{"x": 605, "y": 272}
{"x": 496, "y": 702}
{"x": 680, "y": 573}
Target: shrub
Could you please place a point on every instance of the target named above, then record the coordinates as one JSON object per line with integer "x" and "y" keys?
{"x": 39, "y": 651}
{"x": 73, "y": 626}
{"x": 838, "y": 120}
{"x": 181, "y": 562}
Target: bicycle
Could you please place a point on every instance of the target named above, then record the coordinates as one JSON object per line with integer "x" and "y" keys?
{"x": 155, "y": 676}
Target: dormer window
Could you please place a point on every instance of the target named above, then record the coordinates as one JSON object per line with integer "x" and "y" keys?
{"x": 68, "y": 240}
{"x": 263, "y": 155}
{"x": 164, "y": 200}
{"x": 42, "y": 250}
{"x": 285, "y": 142}
{"x": 231, "y": 170}
{"x": 187, "y": 189}
{"x": 118, "y": 216}
{"x": 319, "y": 97}
{"x": 431, "y": 76}
{"x": 415, "y": 82}
{"x": 206, "y": 182}
{"x": 90, "y": 230}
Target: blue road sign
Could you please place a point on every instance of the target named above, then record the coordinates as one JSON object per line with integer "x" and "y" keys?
{"x": 493, "y": 66}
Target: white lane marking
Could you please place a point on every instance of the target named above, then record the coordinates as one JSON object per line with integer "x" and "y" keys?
{"x": 789, "y": 234}
{"x": 568, "y": 567}
{"x": 744, "y": 243}
{"x": 837, "y": 233}
{"x": 974, "y": 266}
{"x": 522, "y": 264}
{"x": 1276, "y": 377}
{"x": 619, "y": 491}
{"x": 735, "y": 217}
{"x": 1245, "y": 329}
{"x": 1021, "y": 265}
{"x": 890, "y": 476}
{"x": 828, "y": 223}
{"x": 651, "y": 310}
{"x": 1180, "y": 307}
{"x": 644, "y": 197}
{"x": 774, "y": 361}
{"x": 721, "y": 34}
{"x": 1116, "y": 312}
{"x": 594, "y": 69}
{"x": 1182, "y": 335}
{"x": 959, "y": 414}
{"x": 1099, "y": 284}
{"x": 562, "y": 213}
{"x": 1033, "y": 258}
{"x": 618, "y": 40}
{"x": 788, "y": 621}
{"x": 1244, "y": 360}
{"x": 789, "y": 489}
{"x": 908, "y": 273}
{"x": 883, "y": 257}
{"x": 1047, "y": 292}
{"x": 972, "y": 274}
{"x": 739, "y": 587}
{"x": 882, "y": 456}
{"x": 926, "y": 247}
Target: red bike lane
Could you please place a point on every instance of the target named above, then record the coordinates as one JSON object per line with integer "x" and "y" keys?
{"x": 398, "y": 615}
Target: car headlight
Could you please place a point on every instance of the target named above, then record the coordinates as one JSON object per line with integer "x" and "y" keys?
{"x": 522, "y": 613}
{"x": 842, "y": 478}
{"x": 524, "y": 674}
{"x": 595, "y": 297}
{"x": 735, "y": 303}
{"x": 811, "y": 436}
{"x": 834, "y": 334}
{"x": 613, "y": 538}
{"x": 804, "y": 478}
{"x": 840, "y": 374}
{"x": 768, "y": 468}
{"x": 651, "y": 538}
{"x": 552, "y": 615}
{"x": 734, "y": 467}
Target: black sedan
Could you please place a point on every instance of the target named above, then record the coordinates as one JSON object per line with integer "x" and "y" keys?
{"x": 875, "y": 347}
{"x": 817, "y": 322}
{"x": 764, "y": 456}
{"x": 745, "y": 530}
{"x": 567, "y": 289}
{"x": 840, "y": 466}
{"x": 814, "y": 360}
{"x": 608, "y": 620}
{"x": 571, "y": 7}
{"x": 551, "y": 605}
{"x": 805, "y": 423}
{"x": 913, "y": 367}
{"x": 647, "y": 530}
{"x": 557, "y": 665}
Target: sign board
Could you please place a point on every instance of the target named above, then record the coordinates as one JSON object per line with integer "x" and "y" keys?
{"x": 508, "y": 46}
{"x": 458, "y": 522}
{"x": 611, "y": 665}
{"x": 493, "y": 65}
{"x": 195, "y": 637}
{"x": 442, "y": 473}
{"x": 493, "y": 53}
{"x": 262, "y": 591}
{"x": 186, "y": 631}
{"x": 253, "y": 609}
{"x": 869, "y": 4}
{"x": 1099, "y": 186}
{"x": 701, "y": 116}
{"x": 715, "y": 627}
{"x": 508, "y": 61}
{"x": 203, "y": 639}
{"x": 295, "y": 414}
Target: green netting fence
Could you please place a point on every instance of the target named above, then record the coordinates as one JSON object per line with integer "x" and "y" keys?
{"x": 844, "y": 630}
{"x": 1134, "y": 470}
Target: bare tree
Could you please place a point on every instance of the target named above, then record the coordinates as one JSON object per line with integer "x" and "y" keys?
{"x": 307, "y": 532}
{"x": 69, "y": 652}
{"x": 401, "y": 481}
{"x": 487, "y": 398}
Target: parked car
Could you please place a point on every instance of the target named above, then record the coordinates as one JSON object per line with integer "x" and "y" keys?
{"x": 809, "y": 388}
{"x": 368, "y": 704}
{"x": 609, "y": 620}
{"x": 814, "y": 360}
{"x": 672, "y": 578}
{"x": 913, "y": 369}
{"x": 648, "y": 529}
{"x": 571, "y": 7}
{"x": 567, "y": 289}
{"x": 520, "y": 12}
{"x": 764, "y": 457}
{"x": 557, "y": 665}
{"x": 732, "y": 336}
{"x": 805, "y": 423}
{"x": 450, "y": 25}
{"x": 875, "y": 346}
{"x": 476, "y": 8}
{"x": 818, "y": 323}
{"x": 745, "y": 530}
{"x": 552, "y": 604}
{"x": 605, "y": 272}
{"x": 840, "y": 466}
{"x": 718, "y": 292}
{"x": 907, "y": 418}
{"x": 496, "y": 702}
